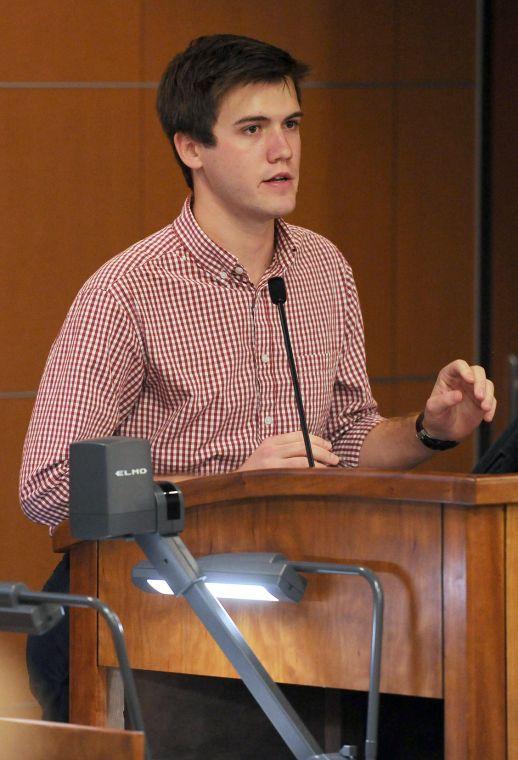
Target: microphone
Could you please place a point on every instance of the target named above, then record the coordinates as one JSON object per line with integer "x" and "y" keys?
{"x": 277, "y": 290}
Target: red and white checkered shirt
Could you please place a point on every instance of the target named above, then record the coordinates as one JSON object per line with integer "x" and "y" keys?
{"x": 171, "y": 341}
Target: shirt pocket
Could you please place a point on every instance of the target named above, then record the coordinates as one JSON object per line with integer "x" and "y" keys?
{"x": 317, "y": 373}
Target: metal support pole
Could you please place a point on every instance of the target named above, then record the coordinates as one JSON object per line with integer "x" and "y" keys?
{"x": 178, "y": 567}
{"x": 117, "y": 632}
{"x": 371, "y": 736}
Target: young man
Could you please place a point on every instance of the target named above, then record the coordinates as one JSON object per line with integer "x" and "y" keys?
{"x": 176, "y": 339}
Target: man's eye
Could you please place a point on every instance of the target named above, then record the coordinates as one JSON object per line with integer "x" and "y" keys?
{"x": 292, "y": 124}
{"x": 251, "y": 130}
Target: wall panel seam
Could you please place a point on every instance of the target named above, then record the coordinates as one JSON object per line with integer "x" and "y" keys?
{"x": 427, "y": 85}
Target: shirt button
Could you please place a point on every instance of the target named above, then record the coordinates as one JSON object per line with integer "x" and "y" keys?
{"x": 223, "y": 275}
{"x": 239, "y": 270}
{"x": 265, "y": 358}
{"x": 268, "y": 420}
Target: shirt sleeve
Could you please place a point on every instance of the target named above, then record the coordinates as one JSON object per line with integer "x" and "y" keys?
{"x": 354, "y": 411}
{"x": 91, "y": 380}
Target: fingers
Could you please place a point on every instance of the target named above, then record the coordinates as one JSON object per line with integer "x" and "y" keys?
{"x": 479, "y": 382}
{"x": 294, "y": 446}
{"x": 298, "y": 449}
{"x": 488, "y": 416}
{"x": 483, "y": 392}
{"x": 460, "y": 372}
{"x": 486, "y": 396}
{"x": 439, "y": 403}
{"x": 458, "y": 369}
{"x": 460, "y": 375}
{"x": 289, "y": 450}
{"x": 300, "y": 462}
{"x": 315, "y": 439}
{"x": 290, "y": 445}
{"x": 296, "y": 436}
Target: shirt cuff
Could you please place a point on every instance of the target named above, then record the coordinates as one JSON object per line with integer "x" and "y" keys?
{"x": 348, "y": 446}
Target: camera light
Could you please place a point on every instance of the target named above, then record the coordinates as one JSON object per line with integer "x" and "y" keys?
{"x": 223, "y": 590}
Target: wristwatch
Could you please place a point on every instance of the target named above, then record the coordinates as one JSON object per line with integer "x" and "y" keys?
{"x": 432, "y": 443}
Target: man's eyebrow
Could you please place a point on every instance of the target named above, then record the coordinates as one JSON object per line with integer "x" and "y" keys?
{"x": 246, "y": 119}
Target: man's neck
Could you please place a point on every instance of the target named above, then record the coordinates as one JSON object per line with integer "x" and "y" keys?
{"x": 250, "y": 241}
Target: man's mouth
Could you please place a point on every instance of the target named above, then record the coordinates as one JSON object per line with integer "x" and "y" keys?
{"x": 282, "y": 177}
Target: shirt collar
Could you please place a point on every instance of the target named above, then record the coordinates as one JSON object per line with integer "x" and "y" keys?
{"x": 215, "y": 259}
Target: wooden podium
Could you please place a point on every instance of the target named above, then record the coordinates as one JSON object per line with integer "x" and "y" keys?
{"x": 444, "y": 547}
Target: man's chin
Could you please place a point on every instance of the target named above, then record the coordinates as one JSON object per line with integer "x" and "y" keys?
{"x": 283, "y": 209}
{"x": 272, "y": 210}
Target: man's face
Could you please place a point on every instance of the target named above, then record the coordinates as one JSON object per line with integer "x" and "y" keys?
{"x": 253, "y": 170}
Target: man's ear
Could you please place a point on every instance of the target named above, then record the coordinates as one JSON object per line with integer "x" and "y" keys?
{"x": 188, "y": 151}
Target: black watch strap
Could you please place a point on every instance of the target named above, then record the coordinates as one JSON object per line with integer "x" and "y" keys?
{"x": 431, "y": 443}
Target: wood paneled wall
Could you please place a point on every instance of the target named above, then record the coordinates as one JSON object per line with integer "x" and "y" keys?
{"x": 388, "y": 174}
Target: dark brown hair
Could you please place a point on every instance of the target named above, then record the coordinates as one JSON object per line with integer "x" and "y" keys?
{"x": 192, "y": 86}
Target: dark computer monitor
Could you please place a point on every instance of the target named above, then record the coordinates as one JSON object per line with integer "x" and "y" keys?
{"x": 502, "y": 455}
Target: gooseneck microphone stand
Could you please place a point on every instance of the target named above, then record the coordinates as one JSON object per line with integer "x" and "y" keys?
{"x": 277, "y": 290}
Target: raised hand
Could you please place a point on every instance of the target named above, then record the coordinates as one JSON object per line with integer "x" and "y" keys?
{"x": 461, "y": 398}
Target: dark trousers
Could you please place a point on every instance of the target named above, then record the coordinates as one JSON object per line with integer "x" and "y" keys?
{"x": 47, "y": 655}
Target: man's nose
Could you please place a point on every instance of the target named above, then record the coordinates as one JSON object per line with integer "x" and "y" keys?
{"x": 279, "y": 147}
